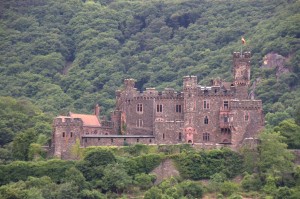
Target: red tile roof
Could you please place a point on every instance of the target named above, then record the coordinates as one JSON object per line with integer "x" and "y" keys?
{"x": 88, "y": 120}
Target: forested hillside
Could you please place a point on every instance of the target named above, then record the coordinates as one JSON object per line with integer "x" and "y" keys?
{"x": 62, "y": 55}
{"x": 70, "y": 55}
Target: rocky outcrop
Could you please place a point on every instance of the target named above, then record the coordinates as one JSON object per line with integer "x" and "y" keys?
{"x": 275, "y": 61}
{"x": 165, "y": 170}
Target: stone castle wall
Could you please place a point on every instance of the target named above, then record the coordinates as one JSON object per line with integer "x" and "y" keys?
{"x": 206, "y": 116}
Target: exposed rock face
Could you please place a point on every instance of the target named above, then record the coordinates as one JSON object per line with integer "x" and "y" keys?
{"x": 165, "y": 170}
{"x": 274, "y": 60}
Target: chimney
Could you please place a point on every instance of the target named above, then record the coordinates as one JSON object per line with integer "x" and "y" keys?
{"x": 97, "y": 110}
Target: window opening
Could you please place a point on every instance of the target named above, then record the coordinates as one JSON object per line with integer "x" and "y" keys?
{"x": 139, "y": 107}
{"x": 178, "y": 108}
{"x": 225, "y": 104}
{"x": 205, "y": 136}
{"x": 159, "y": 108}
{"x": 206, "y": 120}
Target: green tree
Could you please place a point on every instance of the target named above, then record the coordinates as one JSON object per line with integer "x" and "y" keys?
{"x": 116, "y": 178}
{"x": 99, "y": 157}
{"x": 21, "y": 144}
{"x": 291, "y": 131}
{"x": 274, "y": 158}
{"x": 153, "y": 193}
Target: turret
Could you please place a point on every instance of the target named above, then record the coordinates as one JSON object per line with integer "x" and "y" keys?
{"x": 241, "y": 73}
{"x": 129, "y": 84}
{"x": 66, "y": 131}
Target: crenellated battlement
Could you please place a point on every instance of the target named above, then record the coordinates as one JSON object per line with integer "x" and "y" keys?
{"x": 67, "y": 121}
{"x": 242, "y": 55}
{"x": 129, "y": 83}
{"x": 246, "y": 104}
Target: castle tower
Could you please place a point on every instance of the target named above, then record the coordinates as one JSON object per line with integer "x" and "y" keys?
{"x": 190, "y": 98}
{"x": 241, "y": 72}
{"x": 66, "y": 131}
{"x": 129, "y": 84}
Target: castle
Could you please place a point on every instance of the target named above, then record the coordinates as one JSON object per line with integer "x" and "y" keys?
{"x": 206, "y": 116}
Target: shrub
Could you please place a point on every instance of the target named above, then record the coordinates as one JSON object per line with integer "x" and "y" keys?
{"x": 99, "y": 157}
{"x": 144, "y": 181}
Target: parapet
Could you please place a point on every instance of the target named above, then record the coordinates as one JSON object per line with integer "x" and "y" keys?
{"x": 190, "y": 81}
{"x": 67, "y": 121}
{"x": 242, "y": 55}
{"x": 129, "y": 83}
{"x": 150, "y": 92}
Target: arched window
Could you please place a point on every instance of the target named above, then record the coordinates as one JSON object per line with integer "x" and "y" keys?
{"x": 205, "y": 136}
{"x": 206, "y": 120}
{"x": 179, "y": 136}
{"x": 64, "y": 134}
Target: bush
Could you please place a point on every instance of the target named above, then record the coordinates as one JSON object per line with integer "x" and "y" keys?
{"x": 20, "y": 170}
{"x": 228, "y": 188}
{"x": 144, "y": 181}
{"x": 191, "y": 189}
{"x": 251, "y": 182}
{"x": 153, "y": 193}
{"x": 99, "y": 157}
{"x": 201, "y": 165}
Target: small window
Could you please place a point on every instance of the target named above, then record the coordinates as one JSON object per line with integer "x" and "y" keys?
{"x": 159, "y": 108}
{"x": 139, "y": 107}
{"x": 71, "y": 134}
{"x": 178, "y": 108}
{"x": 138, "y": 140}
{"x": 139, "y": 123}
{"x": 205, "y": 136}
{"x": 150, "y": 141}
{"x": 85, "y": 139}
{"x": 99, "y": 139}
{"x": 124, "y": 139}
{"x": 179, "y": 136}
{"x": 206, "y": 120}
{"x": 63, "y": 134}
{"x": 206, "y": 104}
{"x": 111, "y": 140}
{"x": 163, "y": 136}
{"x": 246, "y": 116}
{"x": 226, "y": 105}
{"x": 226, "y": 119}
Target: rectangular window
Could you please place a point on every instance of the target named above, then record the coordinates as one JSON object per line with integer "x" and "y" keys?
{"x": 139, "y": 123}
{"x": 226, "y": 119}
{"x": 139, "y": 107}
{"x": 246, "y": 117}
{"x": 178, "y": 108}
{"x": 205, "y": 136}
{"x": 206, "y": 104}
{"x": 159, "y": 108}
{"x": 226, "y": 105}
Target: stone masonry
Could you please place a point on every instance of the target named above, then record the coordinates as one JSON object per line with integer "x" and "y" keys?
{"x": 209, "y": 116}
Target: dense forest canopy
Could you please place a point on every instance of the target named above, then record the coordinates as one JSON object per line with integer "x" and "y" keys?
{"x": 70, "y": 55}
